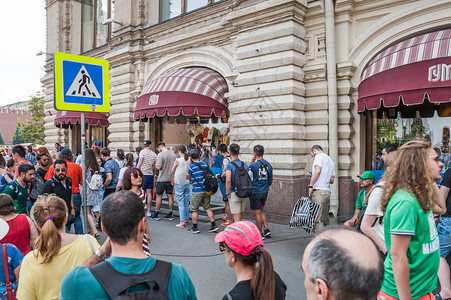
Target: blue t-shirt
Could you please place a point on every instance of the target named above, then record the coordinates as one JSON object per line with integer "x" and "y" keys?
{"x": 3, "y": 181}
{"x": 14, "y": 260}
{"x": 231, "y": 168}
{"x": 81, "y": 284}
{"x": 262, "y": 177}
{"x": 198, "y": 174}
{"x": 111, "y": 166}
{"x": 217, "y": 160}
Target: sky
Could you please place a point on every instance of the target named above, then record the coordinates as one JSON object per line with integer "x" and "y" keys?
{"x": 23, "y": 34}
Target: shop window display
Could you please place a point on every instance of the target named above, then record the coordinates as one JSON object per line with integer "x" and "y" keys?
{"x": 399, "y": 130}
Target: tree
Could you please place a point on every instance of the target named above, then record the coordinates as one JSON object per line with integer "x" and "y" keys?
{"x": 32, "y": 131}
{"x": 2, "y": 142}
{"x": 17, "y": 137}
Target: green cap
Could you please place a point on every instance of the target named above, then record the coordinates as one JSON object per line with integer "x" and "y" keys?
{"x": 367, "y": 175}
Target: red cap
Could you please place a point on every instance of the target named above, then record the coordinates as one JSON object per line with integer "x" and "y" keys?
{"x": 241, "y": 237}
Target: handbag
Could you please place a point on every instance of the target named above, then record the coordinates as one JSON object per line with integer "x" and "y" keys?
{"x": 9, "y": 288}
{"x": 305, "y": 213}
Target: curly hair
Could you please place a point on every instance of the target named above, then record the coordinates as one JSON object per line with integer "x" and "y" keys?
{"x": 409, "y": 171}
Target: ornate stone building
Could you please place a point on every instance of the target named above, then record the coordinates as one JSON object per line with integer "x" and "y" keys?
{"x": 273, "y": 57}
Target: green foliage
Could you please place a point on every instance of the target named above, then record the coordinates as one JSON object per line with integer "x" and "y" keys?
{"x": 32, "y": 131}
{"x": 17, "y": 137}
{"x": 2, "y": 142}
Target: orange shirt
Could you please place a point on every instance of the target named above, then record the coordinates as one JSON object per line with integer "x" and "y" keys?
{"x": 74, "y": 172}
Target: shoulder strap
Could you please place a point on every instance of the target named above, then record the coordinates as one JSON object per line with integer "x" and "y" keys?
{"x": 264, "y": 165}
{"x": 5, "y": 265}
{"x": 115, "y": 282}
{"x": 229, "y": 297}
{"x": 235, "y": 165}
{"x": 199, "y": 166}
{"x": 90, "y": 243}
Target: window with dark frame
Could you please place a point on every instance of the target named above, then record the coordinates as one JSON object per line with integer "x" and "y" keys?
{"x": 172, "y": 8}
{"x": 93, "y": 32}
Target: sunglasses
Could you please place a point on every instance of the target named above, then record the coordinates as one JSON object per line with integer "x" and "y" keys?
{"x": 61, "y": 170}
{"x": 45, "y": 159}
{"x": 137, "y": 175}
{"x": 222, "y": 247}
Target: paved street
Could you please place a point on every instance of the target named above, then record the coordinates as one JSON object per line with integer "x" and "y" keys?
{"x": 212, "y": 277}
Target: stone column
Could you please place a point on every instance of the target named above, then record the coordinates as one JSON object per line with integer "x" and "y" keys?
{"x": 267, "y": 102}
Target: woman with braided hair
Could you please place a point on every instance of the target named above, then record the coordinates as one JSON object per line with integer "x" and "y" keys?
{"x": 56, "y": 252}
{"x": 242, "y": 245}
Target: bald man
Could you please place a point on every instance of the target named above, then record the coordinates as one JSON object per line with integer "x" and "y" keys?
{"x": 335, "y": 252}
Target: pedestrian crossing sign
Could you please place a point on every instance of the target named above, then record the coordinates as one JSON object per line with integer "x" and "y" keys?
{"x": 81, "y": 83}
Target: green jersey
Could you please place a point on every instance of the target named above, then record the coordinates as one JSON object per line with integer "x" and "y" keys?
{"x": 360, "y": 202}
{"x": 20, "y": 200}
{"x": 404, "y": 216}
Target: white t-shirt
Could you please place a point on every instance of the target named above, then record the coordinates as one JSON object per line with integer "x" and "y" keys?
{"x": 374, "y": 208}
{"x": 181, "y": 171}
{"x": 327, "y": 171}
{"x": 121, "y": 173}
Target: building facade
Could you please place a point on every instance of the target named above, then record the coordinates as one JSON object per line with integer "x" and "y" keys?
{"x": 287, "y": 73}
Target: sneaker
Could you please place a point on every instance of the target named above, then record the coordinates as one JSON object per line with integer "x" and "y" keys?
{"x": 224, "y": 217}
{"x": 155, "y": 216}
{"x": 263, "y": 236}
{"x": 169, "y": 217}
{"x": 227, "y": 223}
{"x": 149, "y": 214}
{"x": 213, "y": 229}
{"x": 181, "y": 224}
{"x": 193, "y": 230}
{"x": 267, "y": 233}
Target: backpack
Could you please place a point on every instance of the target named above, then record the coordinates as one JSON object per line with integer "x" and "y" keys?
{"x": 16, "y": 189}
{"x": 210, "y": 181}
{"x": 358, "y": 225}
{"x": 242, "y": 181}
{"x": 37, "y": 185}
{"x": 96, "y": 181}
{"x": 117, "y": 285}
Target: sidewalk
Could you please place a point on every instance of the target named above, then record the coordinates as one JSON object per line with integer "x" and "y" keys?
{"x": 206, "y": 266}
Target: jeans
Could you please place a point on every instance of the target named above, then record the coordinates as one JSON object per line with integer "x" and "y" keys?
{"x": 30, "y": 205}
{"x": 182, "y": 196}
{"x": 78, "y": 225}
{"x": 444, "y": 235}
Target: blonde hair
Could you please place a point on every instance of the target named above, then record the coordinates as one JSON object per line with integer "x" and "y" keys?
{"x": 50, "y": 213}
{"x": 409, "y": 170}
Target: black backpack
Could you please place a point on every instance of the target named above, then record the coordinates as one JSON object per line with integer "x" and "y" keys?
{"x": 210, "y": 180}
{"x": 117, "y": 285}
{"x": 358, "y": 225}
{"x": 242, "y": 181}
{"x": 16, "y": 189}
{"x": 37, "y": 185}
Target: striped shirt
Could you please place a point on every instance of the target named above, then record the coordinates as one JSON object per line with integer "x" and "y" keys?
{"x": 149, "y": 158}
{"x": 197, "y": 174}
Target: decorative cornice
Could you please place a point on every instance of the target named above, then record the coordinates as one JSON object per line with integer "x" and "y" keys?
{"x": 67, "y": 25}
{"x": 346, "y": 70}
{"x": 315, "y": 72}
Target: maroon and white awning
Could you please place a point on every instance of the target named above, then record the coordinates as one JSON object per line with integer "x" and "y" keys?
{"x": 65, "y": 118}
{"x": 186, "y": 91}
{"x": 410, "y": 71}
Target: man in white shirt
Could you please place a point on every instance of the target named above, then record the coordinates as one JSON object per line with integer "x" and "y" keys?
{"x": 146, "y": 162}
{"x": 323, "y": 174}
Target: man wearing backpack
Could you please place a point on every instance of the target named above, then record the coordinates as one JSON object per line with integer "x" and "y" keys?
{"x": 37, "y": 184}
{"x": 222, "y": 150}
{"x": 124, "y": 221}
{"x": 238, "y": 183}
{"x": 196, "y": 173}
{"x": 18, "y": 189}
{"x": 262, "y": 180}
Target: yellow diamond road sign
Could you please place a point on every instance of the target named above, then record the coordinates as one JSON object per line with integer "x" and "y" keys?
{"x": 81, "y": 83}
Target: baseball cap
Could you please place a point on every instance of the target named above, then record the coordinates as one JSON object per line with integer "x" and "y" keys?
{"x": 147, "y": 143}
{"x": 241, "y": 237}
{"x": 367, "y": 175}
{"x": 66, "y": 151}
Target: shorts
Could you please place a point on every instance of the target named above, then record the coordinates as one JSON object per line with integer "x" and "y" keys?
{"x": 383, "y": 296}
{"x": 148, "y": 182}
{"x": 197, "y": 199}
{"x": 257, "y": 201}
{"x": 164, "y": 186}
{"x": 237, "y": 204}
{"x": 444, "y": 235}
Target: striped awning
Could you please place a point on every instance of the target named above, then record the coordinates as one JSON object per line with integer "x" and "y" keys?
{"x": 411, "y": 71}
{"x": 65, "y": 118}
{"x": 186, "y": 91}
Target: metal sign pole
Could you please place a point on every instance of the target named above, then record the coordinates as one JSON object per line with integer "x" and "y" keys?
{"x": 83, "y": 167}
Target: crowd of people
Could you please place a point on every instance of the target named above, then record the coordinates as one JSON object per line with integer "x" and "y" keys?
{"x": 396, "y": 251}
